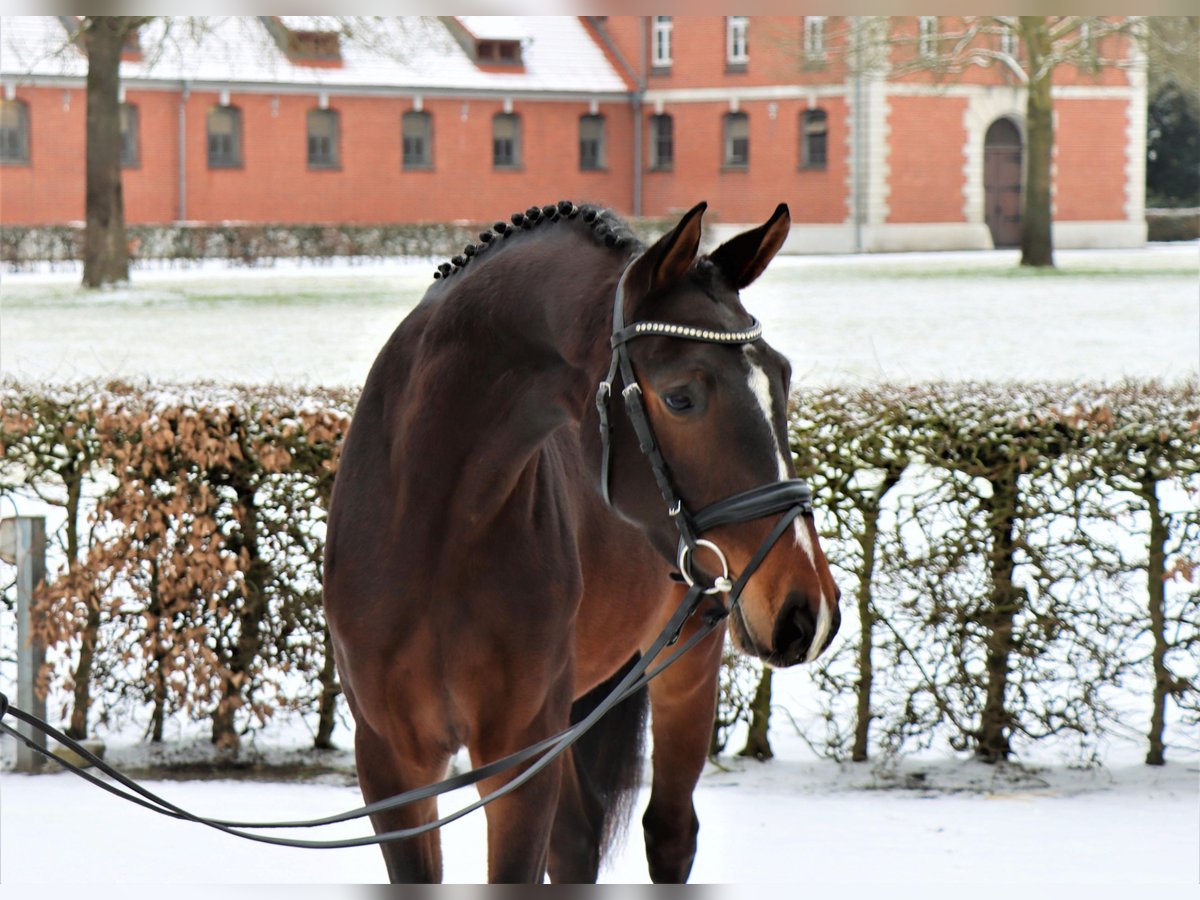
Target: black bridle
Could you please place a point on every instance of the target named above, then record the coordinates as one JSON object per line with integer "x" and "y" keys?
{"x": 791, "y": 497}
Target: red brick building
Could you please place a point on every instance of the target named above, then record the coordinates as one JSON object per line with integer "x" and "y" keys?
{"x": 274, "y": 120}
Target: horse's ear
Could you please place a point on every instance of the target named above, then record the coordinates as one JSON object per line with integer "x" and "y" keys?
{"x": 670, "y": 257}
{"x": 743, "y": 258}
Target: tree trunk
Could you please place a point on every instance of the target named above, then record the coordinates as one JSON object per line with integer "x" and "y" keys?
{"x": 866, "y": 616}
{"x": 1003, "y": 604}
{"x": 1155, "y": 569}
{"x": 239, "y": 667}
{"x": 72, "y": 476}
{"x": 329, "y": 694}
{"x": 758, "y": 743}
{"x": 105, "y": 252}
{"x": 1037, "y": 246}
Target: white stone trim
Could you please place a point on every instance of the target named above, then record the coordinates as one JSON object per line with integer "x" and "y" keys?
{"x": 1082, "y": 235}
{"x": 1135, "y": 140}
{"x": 804, "y": 239}
{"x": 879, "y": 148}
{"x": 745, "y": 94}
{"x": 909, "y": 236}
{"x": 1053, "y": 166}
{"x": 851, "y": 163}
{"x": 983, "y": 108}
{"x": 1063, "y": 92}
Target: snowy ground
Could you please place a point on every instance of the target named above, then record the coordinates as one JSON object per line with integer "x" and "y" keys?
{"x": 898, "y": 317}
{"x": 795, "y": 821}
{"x": 783, "y": 823}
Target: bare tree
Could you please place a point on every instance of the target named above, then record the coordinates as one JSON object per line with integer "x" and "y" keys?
{"x": 105, "y": 252}
{"x": 105, "y": 38}
{"x": 1030, "y": 50}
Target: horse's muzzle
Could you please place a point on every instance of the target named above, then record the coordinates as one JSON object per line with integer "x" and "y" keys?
{"x": 797, "y": 628}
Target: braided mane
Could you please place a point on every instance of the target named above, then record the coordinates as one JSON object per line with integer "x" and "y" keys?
{"x": 604, "y": 225}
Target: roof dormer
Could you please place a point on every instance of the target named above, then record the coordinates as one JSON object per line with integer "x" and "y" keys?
{"x": 494, "y": 43}
{"x": 303, "y": 41}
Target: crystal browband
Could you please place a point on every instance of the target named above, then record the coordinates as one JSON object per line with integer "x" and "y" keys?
{"x": 688, "y": 332}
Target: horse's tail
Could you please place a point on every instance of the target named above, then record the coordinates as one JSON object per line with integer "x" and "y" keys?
{"x": 609, "y": 758}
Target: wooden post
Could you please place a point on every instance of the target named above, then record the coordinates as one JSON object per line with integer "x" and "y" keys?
{"x": 24, "y": 543}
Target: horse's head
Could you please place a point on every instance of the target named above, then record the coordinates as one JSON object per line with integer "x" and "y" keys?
{"x": 717, "y": 407}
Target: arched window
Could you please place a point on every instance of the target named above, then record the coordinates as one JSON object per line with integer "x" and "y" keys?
{"x": 506, "y": 141}
{"x": 130, "y": 158}
{"x": 224, "y": 137}
{"x": 591, "y": 143}
{"x": 662, "y": 142}
{"x": 14, "y": 132}
{"x": 323, "y": 139}
{"x": 737, "y": 141}
{"x": 814, "y": 139}
{"x": 416, "y": 130}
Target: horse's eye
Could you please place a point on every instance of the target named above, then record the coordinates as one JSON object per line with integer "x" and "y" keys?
{"x": 677, "y": 402}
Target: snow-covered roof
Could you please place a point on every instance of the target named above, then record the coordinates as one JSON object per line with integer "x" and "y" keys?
{"x": 415, "y": 53}
{"x": 499, "y": 28}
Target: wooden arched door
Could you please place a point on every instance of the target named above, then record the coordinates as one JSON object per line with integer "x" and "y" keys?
{"x": 1002, "y": 182}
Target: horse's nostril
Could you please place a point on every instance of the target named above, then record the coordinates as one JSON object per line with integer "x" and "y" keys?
{"x": 795, "y": 630}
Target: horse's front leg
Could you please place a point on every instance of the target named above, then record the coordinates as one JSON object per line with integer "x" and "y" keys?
{"x": 519, "y": 823}
{"x": 683, "y": 701}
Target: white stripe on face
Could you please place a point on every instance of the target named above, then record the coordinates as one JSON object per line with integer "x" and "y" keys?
{"x": 760, "y": 387}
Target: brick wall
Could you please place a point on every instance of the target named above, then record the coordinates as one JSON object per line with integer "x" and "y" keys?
{"x": 926, "y": 159}
{"x": 50, "y": 189}
{"x": 275, "y": 183}
{"x": 1090, "y": 160}
{"x": 774, "y": 174}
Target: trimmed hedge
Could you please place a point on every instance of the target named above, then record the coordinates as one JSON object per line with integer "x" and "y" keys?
{"x": 1172, "y": 224}
{"x": 1017, "y": 561}
{"x": 249, "y": 244}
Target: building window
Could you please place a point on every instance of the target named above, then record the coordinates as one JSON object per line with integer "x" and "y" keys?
{"x": 1085, "y": 36}
{"x": 814, "y": 138}
{"x": 662, "y": 142}
{"x": 322, "y": 139}
{"x": 814, "y": 39}
{"x": 14, "y": 132}
{"x": 737, "y": 140}
{"x": 1008, "y": 40}
{"x": 660, "y": 55}
{"x": 224, "y": 137}
{"x": 737, "y": 51}
{"x": 505, "y": 52}
{"x": 506, "y": 141}
{"x": 927, "y": 36}
{"x": 416, "y": 131}
{"x": 591, "y": 143}
{"x": 128, "y": 115}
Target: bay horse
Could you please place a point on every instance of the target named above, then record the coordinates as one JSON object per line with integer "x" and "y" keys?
{"x": 498, "y": 551}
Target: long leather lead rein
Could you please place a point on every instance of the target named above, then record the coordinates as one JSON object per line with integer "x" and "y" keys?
{"x": 790, "y": 497}
{"x": 551, "y": 747}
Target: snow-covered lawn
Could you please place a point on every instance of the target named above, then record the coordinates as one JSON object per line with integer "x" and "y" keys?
{"x": 896, "y": 317}
{"x": 783, "y": 823}
{"x": 794, "y": 821}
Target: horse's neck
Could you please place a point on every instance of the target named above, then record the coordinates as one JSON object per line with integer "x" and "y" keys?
{"x": 495, "y": 383}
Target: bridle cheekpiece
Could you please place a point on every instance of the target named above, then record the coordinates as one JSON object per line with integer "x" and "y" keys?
{"x": 791, "y": 497}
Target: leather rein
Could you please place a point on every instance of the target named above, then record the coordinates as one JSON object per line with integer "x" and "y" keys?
{"x": 790, "y": 497}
